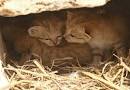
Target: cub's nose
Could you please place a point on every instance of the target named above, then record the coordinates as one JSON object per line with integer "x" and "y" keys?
{"x": 56, "y": 42}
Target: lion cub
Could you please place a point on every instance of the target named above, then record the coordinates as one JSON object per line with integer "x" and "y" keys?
{"x": 48, "y": 28}
{"x": 22, "y": 38}
{"x": 103, "y": 32}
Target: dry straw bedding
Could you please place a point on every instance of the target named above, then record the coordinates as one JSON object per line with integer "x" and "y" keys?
{"x": 113, "y": 76}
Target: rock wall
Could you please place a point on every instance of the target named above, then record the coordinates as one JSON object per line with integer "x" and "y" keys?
{"x": 22, "y": 7}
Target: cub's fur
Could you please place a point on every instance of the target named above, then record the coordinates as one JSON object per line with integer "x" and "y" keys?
{"x": 103, "y": 32}
{"x": 48, "y": 28}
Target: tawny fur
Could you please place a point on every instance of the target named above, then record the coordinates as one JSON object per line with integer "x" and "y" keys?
{"x": 103, "y": 32}
{"x": 71, "y": 54}
{"x": 66, "y": 54}
{"x": 20, "y": 43}
{"x": 48, "y": 28}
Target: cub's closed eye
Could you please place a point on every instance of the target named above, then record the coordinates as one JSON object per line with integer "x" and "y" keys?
{"x": 72, "y": 35}
{"x": 43, "y": 38}
{"x": 59, "y": 36}
{"x": 47, "y": 39}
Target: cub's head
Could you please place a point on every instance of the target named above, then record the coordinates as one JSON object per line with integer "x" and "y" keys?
{"x": 76, "y": 30}
{"x": 48, "y": 28}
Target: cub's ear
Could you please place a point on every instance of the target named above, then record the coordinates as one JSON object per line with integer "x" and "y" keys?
{"x": 35, "y": 31}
